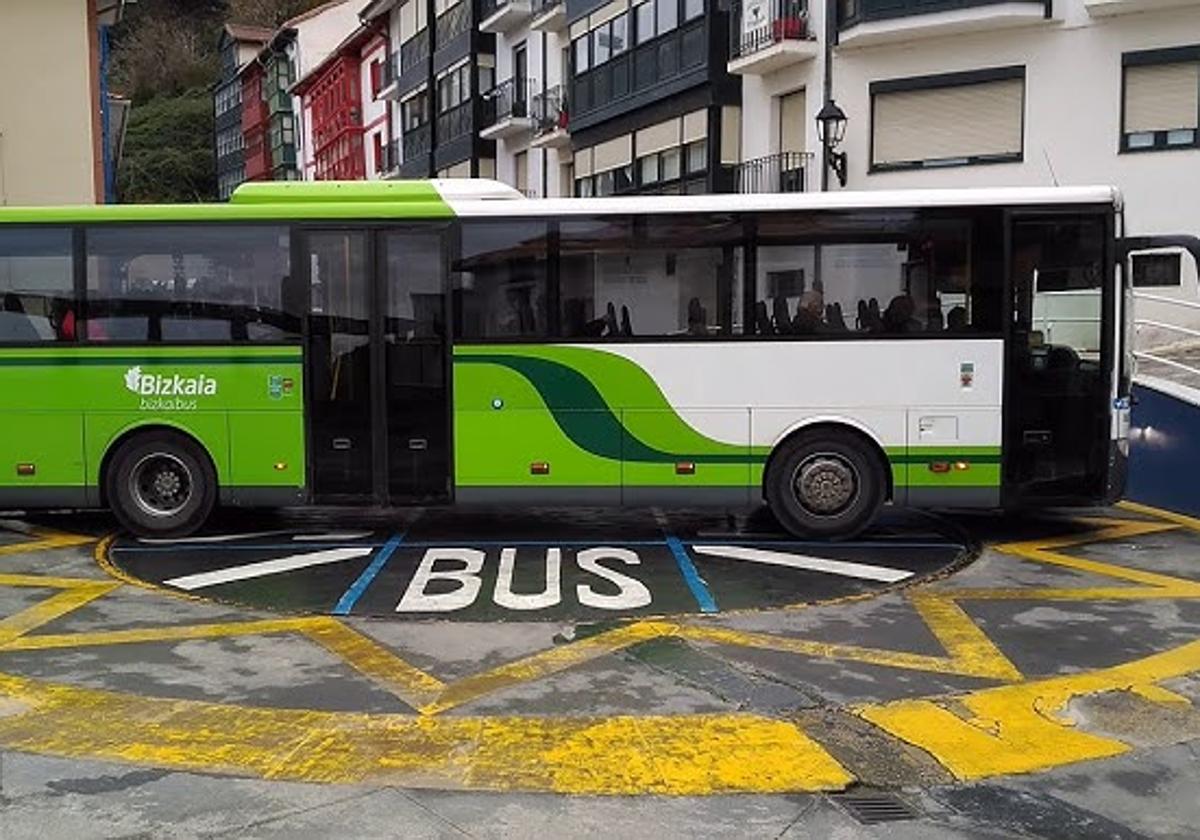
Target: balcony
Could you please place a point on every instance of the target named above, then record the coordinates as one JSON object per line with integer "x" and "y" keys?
{"x": 389, "y": 77}
{"x": 765, "y": 37}
{"x": 1105, "y": 8}
{"x": 501, "y": 16}
{"x": 865, "y": 23}
{"x": 550, "y": 118}
{"x": 548, "y": 15}
{"x": 450, "y": 24}
{"x": 452, "y": 124}
{"x": 506, "y": 111}
{"x": 389, "y": 166}
{"x": 416, "y": 142}
{"x": 650, "y": 72}
{"x": 783, "y": 172}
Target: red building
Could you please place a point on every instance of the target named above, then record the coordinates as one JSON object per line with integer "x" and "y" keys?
{"x": 255, "y": 124}
{"x": 332, "y": 103}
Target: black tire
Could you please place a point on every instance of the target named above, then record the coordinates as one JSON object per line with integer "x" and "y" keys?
{"x": 827, "y": 483}
{"x": 160, "y": 484}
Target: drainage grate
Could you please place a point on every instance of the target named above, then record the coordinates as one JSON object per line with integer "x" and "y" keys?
{"x": 874, "y": 808}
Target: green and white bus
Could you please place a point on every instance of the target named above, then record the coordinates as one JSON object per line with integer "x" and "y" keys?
{"x": 451, "y": 341}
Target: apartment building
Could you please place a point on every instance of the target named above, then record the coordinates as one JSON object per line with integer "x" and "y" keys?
{"x": 60, "y": 126}
{"x": 238, "y": 48}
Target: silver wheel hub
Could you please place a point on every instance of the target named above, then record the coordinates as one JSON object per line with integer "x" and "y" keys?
{"x": 160, "y": 484}
{"x": 825, "y": 484}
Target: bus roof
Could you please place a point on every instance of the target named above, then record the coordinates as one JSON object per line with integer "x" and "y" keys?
{"x": 468, "y": 198}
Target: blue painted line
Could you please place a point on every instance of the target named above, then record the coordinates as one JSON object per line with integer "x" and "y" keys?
{"x": 704, "y": 598}
{"x": 350, "y": 596}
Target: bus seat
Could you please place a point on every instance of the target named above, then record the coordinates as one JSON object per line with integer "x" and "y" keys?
{"x": 783, "y": 320}
{"x": 762, "y": 321}
{"x": 611, "y": 327}
{"x": 834, "y": 318}
{"x": 626, "y": 326}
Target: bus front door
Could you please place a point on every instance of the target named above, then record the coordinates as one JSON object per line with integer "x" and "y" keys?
{"x": 378, "y": 412}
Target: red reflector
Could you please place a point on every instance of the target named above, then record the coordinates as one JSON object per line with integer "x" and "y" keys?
{"x": 539, "y": 468}
{"x": 685, "y": 468}
{"x": 939, "y": 466}
{"x": 26, "y": 469}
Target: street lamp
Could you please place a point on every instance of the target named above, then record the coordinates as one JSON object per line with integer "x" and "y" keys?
{"x": 831, "y": 129}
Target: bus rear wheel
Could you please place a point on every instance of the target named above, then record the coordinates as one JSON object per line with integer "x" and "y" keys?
{"x": 826, "y": 484}
{"x": 160, "y": 484}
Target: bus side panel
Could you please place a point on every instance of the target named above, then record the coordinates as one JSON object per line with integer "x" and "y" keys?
{"x": 64, "y": 407}
{"x": 41, "y": 456}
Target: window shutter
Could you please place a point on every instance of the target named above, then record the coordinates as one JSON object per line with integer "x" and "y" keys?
{"x": 613, "y": 153}
{"x": 731, "y": 134}
{"x": 793, "y": 129}
{"x": 655, "y": 138}
{"x": 583, "y": 163}
{"x": 606, "y": 13}
{"x": 964, "y": 121}
{"x": 695, "y": 126}
{"x": 1161, "y": 97}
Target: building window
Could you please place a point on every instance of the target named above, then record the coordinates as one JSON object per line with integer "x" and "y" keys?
{"x": 454, "y": 88}
{"x": 1157, "y": 270}
{"x": 606, "y": 168}
{"x": 1161, "y": 108}
{"x": 950, "y": 120}
{"x": 414, "y": 111}
{"x": 229, "y": 141}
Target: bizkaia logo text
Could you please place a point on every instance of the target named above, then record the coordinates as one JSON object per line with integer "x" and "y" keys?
{"x": 168, "y": 393}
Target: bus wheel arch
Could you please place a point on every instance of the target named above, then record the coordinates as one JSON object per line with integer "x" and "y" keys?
{"x": 158, "y": 480}
{"x": 847, "y": 461}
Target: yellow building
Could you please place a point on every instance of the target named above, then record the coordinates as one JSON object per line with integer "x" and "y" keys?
{"x": 58, "y": 126}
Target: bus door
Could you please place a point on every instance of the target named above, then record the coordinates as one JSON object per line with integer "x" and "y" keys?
{"x": 1059, "y": 381}
{"x": 378, "y": 409}
{"x": 413, "y": 272}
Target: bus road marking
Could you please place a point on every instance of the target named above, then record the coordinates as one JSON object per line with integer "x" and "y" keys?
{"x": 266, "y": 567}
{"x": 333, "y": 536}
{"x": 863, "y": 571}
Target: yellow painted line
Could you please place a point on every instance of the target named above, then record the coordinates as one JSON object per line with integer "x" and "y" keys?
{"x": 1169, "y": 515}
{"x": 146, "y": 635}
{"x": 1015, "y": 728}
{"x": 545, "y": 663}
{"x": 828, "y": 650}
{"x": 44, "y": 540}
{"x": 676, "y": 755}
{"x": 51, "y": 581}
{"x": 56, "y": 606}
{"x": 406, "y": 681}
{"x": 966, "y": 644}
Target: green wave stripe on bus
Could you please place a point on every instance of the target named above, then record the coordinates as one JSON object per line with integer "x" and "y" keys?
{"x": 607, "y": 405}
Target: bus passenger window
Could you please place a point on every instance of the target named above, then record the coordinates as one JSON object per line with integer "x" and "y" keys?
{"x": 182, "y": 283}
{"x": 651, "y": 278}
{"x": 500, "y": 291}
{"x": 36, "y": 287}
{"x": 882, "y": 274}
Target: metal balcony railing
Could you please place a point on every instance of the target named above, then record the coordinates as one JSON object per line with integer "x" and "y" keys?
{"x": 756, "y": 26}
{"x": 414, "y": 51}
{"x": 417, "y": 141}
{"x": 487, "y": 8}
{"x": 851, "y": 12}
{"x": 453, "y": 22}
{"x": 456, "y": 122}
{"x": 783, "y": 172}
{"x": 549, "y": 110}
{"x": 540, "y": 7}
{"x": 508, "y": 100}
{"x": 391, "y": 157}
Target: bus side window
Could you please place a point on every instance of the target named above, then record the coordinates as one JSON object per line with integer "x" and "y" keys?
{"x": 36, "y": 286}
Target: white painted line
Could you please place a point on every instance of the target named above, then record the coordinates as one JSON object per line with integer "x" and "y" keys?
{"x": 216, "y": 538}
{"x": 267, "y": 567}
{"x": 333, "y": 536}
{"x": 803, "y": 561}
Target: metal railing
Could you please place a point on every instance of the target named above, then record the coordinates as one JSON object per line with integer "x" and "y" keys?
{"x": 417, "y": 141}
{"x": 851, "y": 12}
{"x": 549, "y": 110}
{"x": 391, "y": 157}
{"x": 1158, "y": 358}
{"x": 487, "y": 8}
{"x": 541, "y": 7}
{"x": 456, "y": 122}
{"x": 757, "y": 25}
{"x": 413, "y": 51}
{"x": 453, "y": 22}
{"x": 783, "y": 172}
{"x": 508, "y": 100}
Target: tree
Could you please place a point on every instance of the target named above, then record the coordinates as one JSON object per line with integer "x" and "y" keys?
{"x": 168, "y": 154}
{"x": 268, "y": 12}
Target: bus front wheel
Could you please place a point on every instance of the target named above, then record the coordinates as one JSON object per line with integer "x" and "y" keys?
{"x": 825, "y": 483}
{"x": 160, "y": 484}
